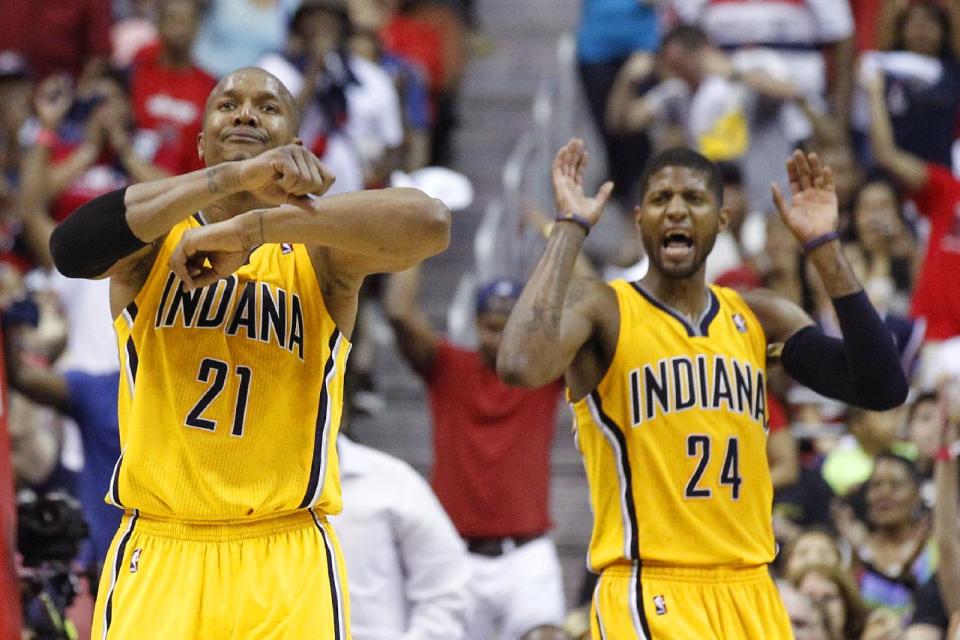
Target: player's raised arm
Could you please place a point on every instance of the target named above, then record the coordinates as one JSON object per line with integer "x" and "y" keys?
{"x": 118, "y": 224}
{"x": 863, "y": 368}
{"x": 553, "y": 318}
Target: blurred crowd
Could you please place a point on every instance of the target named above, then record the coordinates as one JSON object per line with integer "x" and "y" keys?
{"x": 96, "y": 94}
{"x": 866, "y": 503}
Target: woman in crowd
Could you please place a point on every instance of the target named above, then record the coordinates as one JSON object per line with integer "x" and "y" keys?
{"x": 897, "y": 556}
{"x": 832, "y": 588}
{"x": 885, "y": 243}
{"x": 813, "y": 547}
{"x": 923, "y": 105}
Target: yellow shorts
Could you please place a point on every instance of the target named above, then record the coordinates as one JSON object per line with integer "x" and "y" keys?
{"x": 661, "y": 603}
{"x": 276, "y": 578}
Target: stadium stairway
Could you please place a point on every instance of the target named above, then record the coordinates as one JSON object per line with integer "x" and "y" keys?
{"x": 518, "y": 43}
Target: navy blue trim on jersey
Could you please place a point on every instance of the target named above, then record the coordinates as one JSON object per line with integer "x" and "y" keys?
{"x": 132, "y": 310}
{"x": 702, "y": 329}
{"x": 117, "y": 566}
{"x": 199, "y": 218}
{"x": 320, "y": 431}
{"x": 115, "y": 482}
{"x": 640, "y": 610}
{"x": 712, "y": 312}
{"x": 336, "y": 597}
{"x": 163, "y": 298}
{"x": 618, "y": 434}
{"x": 132, "y": 360}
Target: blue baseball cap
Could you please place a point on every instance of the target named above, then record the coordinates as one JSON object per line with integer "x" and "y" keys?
{"x": 498, "y": 296}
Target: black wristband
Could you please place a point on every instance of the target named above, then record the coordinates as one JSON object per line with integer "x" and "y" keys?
{"x": 576, "y": 219}
{"x": 810, "y": 245}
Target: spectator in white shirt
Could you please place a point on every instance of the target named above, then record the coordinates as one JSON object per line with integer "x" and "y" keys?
{"x": 407, "y": 565}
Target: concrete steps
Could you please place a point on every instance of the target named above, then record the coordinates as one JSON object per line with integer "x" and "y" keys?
{"x": 495, "y": 108}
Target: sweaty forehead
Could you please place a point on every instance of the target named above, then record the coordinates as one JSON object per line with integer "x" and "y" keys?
{"x": 252, "y": 81}
{"x": 678, "y": 178}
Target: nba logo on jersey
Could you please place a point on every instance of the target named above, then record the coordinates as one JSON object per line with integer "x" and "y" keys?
{"x": 285, "y": 248}
{"x": 740, "y": 323}
{"x": 135, "y": 560}
{"x": 659, "y": 602}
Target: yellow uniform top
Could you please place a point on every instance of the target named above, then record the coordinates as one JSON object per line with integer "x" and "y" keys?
{"x": 231, "y": 395}
{"x": 674, "y": 438}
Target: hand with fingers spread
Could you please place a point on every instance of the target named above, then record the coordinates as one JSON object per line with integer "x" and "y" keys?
{"x": 813, "y": 211}
{"x": 567, "y": 174}
{"x": 214, "y": 251}
{"x": 285, "y": 174}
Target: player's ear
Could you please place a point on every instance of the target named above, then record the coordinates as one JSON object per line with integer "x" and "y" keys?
{"x": 637, "y": 212}
{"x": 724, "y": 218}
{"x": 200, "y": 145}
{"x": 297, "y": 141}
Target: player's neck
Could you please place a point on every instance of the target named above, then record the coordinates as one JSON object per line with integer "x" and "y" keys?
{"x": 686, "y": 295}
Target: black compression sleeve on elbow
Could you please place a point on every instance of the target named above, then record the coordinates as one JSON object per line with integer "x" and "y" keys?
{"x": 94, "y": 237}
{"x": 863, "y": 369}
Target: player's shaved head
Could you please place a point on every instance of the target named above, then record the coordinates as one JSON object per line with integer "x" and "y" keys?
{"x": 273, "y": 84}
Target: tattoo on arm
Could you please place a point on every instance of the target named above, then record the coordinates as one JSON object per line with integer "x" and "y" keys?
{"x": 545, "y": 320}
{"x": 212, "y": 185}
{"x": 555, "y": 295}
{"x": 837, "y": 275}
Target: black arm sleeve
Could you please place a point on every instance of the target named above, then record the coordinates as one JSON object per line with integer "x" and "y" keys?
{"x": 863, "y": 369}
{"x": 94, "y": 237}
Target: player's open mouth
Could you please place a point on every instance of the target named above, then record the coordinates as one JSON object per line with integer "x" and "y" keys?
{"x": 677, "y": 245}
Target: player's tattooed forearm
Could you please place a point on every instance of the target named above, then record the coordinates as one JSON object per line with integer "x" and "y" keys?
{"x": 212, "y": 185}
{"x": 575, "y": 293}
{"x": 545, "y": 320}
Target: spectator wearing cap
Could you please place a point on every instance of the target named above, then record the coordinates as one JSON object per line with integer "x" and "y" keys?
{"x": 491, "y": 467}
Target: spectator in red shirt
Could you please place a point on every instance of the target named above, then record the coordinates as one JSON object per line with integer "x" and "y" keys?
{"x": 491, "y": 468}
{"x": 55, "y": 35}
{"x": 937, "y": 195}
{"x": 168, "y": 90}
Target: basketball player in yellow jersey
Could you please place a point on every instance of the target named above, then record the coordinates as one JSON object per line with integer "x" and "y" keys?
{"x": 667, "y": 382}
{"x": 234, "y": 295}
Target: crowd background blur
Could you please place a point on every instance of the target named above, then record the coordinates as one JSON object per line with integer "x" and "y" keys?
{"x": 97, "y": 94}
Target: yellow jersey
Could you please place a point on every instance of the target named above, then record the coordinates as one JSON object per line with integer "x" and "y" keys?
{"x": 674, "y": 438}
{"x": 231, "y": 395}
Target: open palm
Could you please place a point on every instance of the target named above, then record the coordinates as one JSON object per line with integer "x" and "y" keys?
{"x": 567, "y": 174}
{"x": 812, "y": 210}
